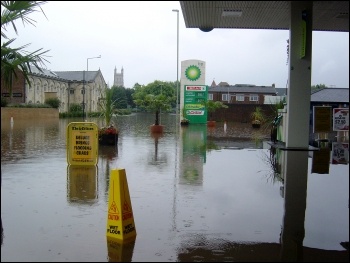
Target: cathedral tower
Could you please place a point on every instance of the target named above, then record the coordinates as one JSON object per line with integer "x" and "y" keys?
{"x": 118, "y": 78}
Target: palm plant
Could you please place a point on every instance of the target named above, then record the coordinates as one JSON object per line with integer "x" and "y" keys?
{"x": 258, "y": 116}
{"x": 14, "y": 58}
{"x": 212, "y": 106}
{"x": 107, "y": 106}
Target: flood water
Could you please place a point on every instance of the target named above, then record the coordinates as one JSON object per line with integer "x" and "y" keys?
{"x": 197, "y": 194}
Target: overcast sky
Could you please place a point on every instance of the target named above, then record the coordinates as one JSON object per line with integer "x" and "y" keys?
{"x": 141, "y": 37}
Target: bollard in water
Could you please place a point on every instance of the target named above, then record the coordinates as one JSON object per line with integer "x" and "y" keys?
{"x": 120, "y": 222}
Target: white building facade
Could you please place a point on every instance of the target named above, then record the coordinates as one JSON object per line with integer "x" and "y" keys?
{"x": 67, "y": 86}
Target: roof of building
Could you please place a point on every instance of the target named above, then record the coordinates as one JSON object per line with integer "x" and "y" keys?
{"x": 77, "y": 75}
{"x": 223, "y": 84}
{"x": 244, "y": 89}
{"x": 331, "y": 95}
{"x": 65, "y": 75}
{"x": 281, "y": 91}
{"x": 44, "y": 72}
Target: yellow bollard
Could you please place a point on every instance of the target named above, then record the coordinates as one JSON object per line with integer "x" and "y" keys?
{"x": 120, "y": 222}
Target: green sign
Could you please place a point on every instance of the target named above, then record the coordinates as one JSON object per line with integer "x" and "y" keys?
{"x": 194, "y": 96}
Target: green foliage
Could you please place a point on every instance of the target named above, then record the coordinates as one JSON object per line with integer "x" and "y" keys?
{"x": 36, "y": 105}
{"x": 53, "y": 102}
{"x": 269, "y": 120}
{"x": 108, "y": 104}
{"x": 212, "y": 106}
{"x": 70, "y": 114}
{"x": 258, "y": 115}
{"x": 212, "y": 146}
{"x": 119, "y": 95}
{"x": 318, "y": 87}
{"x": 156, "y": 97}
{"x": 184, "y": 116}
{"x": 123, "y": 111}
{"x": 14, "y": 58}
{"x": 94, "y": 114}
{"x": 130, "y": 101}
{"x": 4, "y": 102}
{"x": 75, "y": 107}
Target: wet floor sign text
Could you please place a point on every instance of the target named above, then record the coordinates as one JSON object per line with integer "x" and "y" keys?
{"x": 120, "y": 220}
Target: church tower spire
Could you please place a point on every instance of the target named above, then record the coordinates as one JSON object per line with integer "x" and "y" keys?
{"x": 118, "y": 78}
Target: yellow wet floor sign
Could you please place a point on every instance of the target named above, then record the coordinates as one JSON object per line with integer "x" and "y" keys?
{"x": 120, "y": 221}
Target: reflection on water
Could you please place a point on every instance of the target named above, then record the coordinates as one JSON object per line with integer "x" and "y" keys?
{"x": 119, "y": 251}
{"x": 197, "y": 195}
{"x": 82, "y": 184}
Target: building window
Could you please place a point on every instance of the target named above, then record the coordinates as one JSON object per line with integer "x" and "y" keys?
{"x": 240, "y": 97}
{"x": 210, "y": 96}
{"x": 71, "y": 91}
{"x": 253, "y": 97}
{"x": 224, "y": 97}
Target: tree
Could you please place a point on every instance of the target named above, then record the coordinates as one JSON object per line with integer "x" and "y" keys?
{"x": 129, "y": 99}
{"x": 155, "y": 97}
{"x": 119, "y": 95}
{"x": 14, "y": 58}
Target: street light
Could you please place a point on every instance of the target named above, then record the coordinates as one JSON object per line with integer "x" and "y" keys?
{"x": 87, "y": 62}
{"x": 84, "y": 95}
{"x": 177, "y": 66}
{"x": 87, "y": 72}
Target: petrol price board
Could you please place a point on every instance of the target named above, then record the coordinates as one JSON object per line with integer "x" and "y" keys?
{"x": 194, "y": 96}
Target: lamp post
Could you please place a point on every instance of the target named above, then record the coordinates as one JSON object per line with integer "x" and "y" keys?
{"x": 87, "y": 62}
{"x": 177, "y": 66}
{"x": 84, "y": 95}
{"x": 87, "y": 72}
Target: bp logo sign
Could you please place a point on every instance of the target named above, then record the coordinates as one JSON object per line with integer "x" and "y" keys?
{"x": 193, "y": 73}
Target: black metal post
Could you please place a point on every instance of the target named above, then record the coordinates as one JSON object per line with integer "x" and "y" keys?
{"x": 84, "y": 95}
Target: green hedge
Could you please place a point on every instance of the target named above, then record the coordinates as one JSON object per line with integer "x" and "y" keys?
{"x": 53, "y": 102}
{"x": 4, "y": 102}
{"x": 37, "y": 105}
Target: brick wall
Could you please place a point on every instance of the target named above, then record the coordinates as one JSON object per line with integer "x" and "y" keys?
{"x": 28, "y": 113}
{"x": 18, "y": 91}
{"x": 240, "y": 113}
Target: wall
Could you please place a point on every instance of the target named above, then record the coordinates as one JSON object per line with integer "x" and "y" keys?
{"x": 240, "y": 112}
{"x": 46, "y": 87}
{"x": 28, "y": 113}
{"x": 18, "y": 95}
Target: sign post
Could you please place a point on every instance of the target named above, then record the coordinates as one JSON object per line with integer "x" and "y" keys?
{"x": 82, "y": 143}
